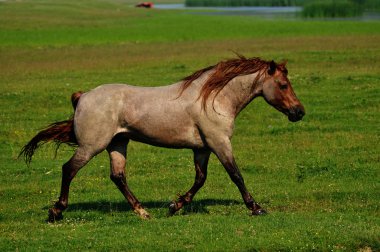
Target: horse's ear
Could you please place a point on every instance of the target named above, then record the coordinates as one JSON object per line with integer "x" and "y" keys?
{"x": 272, "y": 68}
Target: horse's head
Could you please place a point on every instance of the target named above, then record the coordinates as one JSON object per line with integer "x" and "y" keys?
{"x": 278, "y": 92}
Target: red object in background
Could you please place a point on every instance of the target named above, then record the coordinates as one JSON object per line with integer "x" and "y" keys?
{"x": 145, "y": 5}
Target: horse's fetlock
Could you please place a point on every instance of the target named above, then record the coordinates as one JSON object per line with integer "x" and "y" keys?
{"x": 54, "y": 215}
{"x": 250, "y": 204}
{"x": 61, "y": 205}
{"x": 255, "y": 206}
{"x": 184, "y": 199}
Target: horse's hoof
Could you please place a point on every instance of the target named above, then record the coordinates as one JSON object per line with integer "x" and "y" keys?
{"x": 145, "y": 216}
{"x": 143, "y": 213}
{"x": 54, "y": 215}
{"x": 172, "y": 208}
{"x": 259, "y": 211}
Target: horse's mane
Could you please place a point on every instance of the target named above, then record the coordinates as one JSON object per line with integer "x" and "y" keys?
{"x": 224, "y": 72}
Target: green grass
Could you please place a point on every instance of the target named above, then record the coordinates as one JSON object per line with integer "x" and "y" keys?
{"x": 318, "y": 179}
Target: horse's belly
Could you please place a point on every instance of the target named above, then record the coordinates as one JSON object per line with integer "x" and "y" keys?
{"x": 167, "y": 136}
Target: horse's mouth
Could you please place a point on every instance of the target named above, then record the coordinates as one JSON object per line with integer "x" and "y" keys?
{"x": 294, "y": 118}
{"x": 295, "y": 114}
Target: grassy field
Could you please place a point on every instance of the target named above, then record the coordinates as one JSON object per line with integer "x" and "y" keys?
{"x": 318, "y": 179}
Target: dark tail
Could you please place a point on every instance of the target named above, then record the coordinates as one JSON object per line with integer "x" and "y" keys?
{"x": 59, "y": 132}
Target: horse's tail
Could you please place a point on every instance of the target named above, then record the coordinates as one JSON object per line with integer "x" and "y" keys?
{"x": 59, "y": 132}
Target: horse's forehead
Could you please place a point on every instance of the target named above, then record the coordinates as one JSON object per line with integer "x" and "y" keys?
{"x": 281, "y": 74}
{"x": 282, "y": 69}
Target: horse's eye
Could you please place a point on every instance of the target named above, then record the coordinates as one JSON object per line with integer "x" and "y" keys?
{"x": 283, "y": 86}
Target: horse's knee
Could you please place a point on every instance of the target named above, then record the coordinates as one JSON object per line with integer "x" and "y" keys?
{"x": 117, "y": 177}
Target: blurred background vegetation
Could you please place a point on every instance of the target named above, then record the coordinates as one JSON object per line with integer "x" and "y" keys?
{"x": 311, "y": 8}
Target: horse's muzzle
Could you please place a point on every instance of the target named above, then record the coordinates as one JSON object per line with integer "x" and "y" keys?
{"x": 296, "y": 113}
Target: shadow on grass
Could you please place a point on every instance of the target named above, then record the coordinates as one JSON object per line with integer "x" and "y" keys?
{"x": 197, "y": 206}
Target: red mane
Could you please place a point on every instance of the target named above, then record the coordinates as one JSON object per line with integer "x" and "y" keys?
{"x": 224, "y": 72}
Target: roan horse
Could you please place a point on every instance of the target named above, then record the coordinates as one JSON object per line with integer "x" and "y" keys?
{"x": 197, "y": 113}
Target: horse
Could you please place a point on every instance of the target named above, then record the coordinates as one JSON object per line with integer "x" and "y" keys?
{"x": 147, "y": 5}
{"x": 196, "y": 113}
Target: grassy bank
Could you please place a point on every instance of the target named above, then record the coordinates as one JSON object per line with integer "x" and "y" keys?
{"x": 318, "y": 179}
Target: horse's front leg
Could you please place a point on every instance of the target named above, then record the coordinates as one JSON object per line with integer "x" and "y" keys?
{"x": 201, "y": 157}
{"x": 223, "y": 150}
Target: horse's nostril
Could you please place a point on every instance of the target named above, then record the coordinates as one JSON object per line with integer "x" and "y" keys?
{"x": 300, "y": 113}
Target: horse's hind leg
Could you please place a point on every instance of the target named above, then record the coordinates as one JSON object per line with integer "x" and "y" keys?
{"x": 117, "y": 150}
{"x": 69, "y": 170}
{"x": 201, "y": 158}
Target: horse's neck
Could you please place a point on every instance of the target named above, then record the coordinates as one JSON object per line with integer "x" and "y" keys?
{"x": 239, "y": 92}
